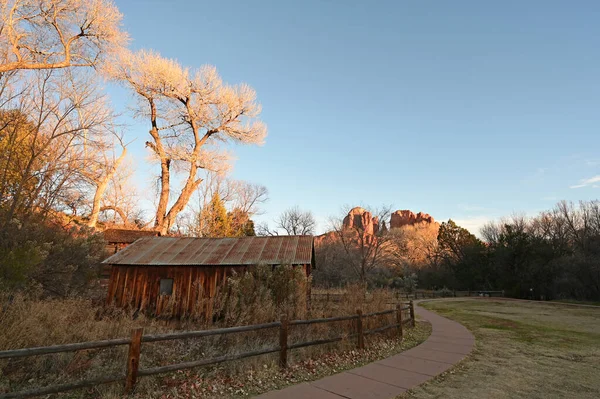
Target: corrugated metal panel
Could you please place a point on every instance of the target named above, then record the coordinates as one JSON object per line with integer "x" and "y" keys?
{"x": 149, "y": 249}
{"x": 169, "y": 251}
{"x": 304, "y": 250}
{"x": 288, "y": 251}
{"x": 271, "y": 251}
{"x": 192, "y": 251}
{"x": 221, "y": 248}
{"x": 253, "y": 252}
{"x": 239, "y": 249}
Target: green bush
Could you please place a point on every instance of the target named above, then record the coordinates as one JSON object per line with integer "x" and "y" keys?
{"x": 43, "y": 258}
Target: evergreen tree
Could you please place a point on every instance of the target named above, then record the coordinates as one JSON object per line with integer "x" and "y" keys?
{"x": 216, "y": 218}
{"x": 248, "y": 228}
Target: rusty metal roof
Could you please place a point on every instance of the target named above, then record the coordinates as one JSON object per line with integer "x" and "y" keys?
{"x": 172, "y": 251}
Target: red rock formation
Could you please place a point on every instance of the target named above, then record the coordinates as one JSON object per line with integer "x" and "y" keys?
{"x": 408, "y": 218}
{"x": 361, "y": 220}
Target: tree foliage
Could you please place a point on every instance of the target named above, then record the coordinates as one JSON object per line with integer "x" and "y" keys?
{"x": 51, "y": 34}
{"x": 190, "y": 113}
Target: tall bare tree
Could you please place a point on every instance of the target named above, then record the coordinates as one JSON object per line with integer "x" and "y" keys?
{"x": 295, "y": 221}
{"x": 190, "y": 114}
{"x": 47, "y": 34}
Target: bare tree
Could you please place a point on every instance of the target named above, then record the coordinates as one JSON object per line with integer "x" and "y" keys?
{"x": 236, "y": 194}
{"x": 292, "y": 221}
{"x": 120, "y": 202}
{"x": 51, "y": 128}
{"x": 101, "y": 178}
{"x": 47, "y": 34}
{"x": 248, "y": 197}
{"x": 365, "y": 244}
{"x": 295, "y": 221}
{"x": 190, "y": 114}
{"x": 414, "y": 245}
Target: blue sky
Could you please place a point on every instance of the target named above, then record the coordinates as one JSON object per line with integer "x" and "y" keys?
{"x": 468, "y": 110}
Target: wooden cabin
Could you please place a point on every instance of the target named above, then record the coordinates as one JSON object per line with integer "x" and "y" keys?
{"x": 118, "y": 239}
{"x": 156, "y": 273}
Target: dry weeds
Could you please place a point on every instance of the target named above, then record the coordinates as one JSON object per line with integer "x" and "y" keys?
{"x": 30, "y": 323}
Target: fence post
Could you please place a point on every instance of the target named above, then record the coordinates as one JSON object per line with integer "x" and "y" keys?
{"x": 399, "y": 320}
{"x": 412, "y": 313}
{"x": 359, "y": 330}
{"x": 283, "y": 341}
{"x": 133, "y": 358}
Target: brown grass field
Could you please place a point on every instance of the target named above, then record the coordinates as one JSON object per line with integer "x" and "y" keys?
{"x": 31, "y": 323}
{"x": 523, "y": 350}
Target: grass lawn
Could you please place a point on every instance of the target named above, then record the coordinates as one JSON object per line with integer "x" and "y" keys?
{"x": 592, "y": 303}
{"x": 523, "y": 350}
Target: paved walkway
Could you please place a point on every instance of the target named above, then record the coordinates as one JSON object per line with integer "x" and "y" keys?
{"x": 449, "y": 343}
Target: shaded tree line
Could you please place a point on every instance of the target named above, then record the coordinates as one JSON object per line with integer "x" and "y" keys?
{"x": 554, "y": 255}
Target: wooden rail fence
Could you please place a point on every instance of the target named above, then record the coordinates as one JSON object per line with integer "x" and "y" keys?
{"x": 133, "y": 371}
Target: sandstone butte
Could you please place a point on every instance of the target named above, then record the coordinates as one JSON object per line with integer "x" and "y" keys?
{"x": 362, "y": 220}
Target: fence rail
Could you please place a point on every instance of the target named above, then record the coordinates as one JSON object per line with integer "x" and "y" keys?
{"x": 137, "y": 338}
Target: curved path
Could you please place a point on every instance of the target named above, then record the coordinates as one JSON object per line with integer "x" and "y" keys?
{"x": 448, "y": 343}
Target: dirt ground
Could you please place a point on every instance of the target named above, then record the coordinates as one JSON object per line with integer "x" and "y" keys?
{"x": 523, "y": 350}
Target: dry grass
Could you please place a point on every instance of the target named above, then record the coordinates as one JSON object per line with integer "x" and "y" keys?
{"x": 524, "y": 349}
{"x": 256, "y": 379}
{"x": 29, "y": 323}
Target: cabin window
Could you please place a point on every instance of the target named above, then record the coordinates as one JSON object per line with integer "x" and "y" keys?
{"x": 166, "y": 286}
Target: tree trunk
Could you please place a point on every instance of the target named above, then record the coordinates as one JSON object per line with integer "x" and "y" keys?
{"x": 165, "y": 170}
{"x": 161, "y": 210}
{"x": 101, "y": 188}
{"x": 190, "y": 186}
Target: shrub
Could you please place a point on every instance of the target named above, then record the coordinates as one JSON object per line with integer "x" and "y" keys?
{"x": 262, "y": 294}
{"x": 44, "y": 258}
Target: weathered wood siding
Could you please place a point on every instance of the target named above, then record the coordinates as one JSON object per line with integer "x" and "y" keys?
{"x": 194, "y": 287}
{"x": 138, "y": 287}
